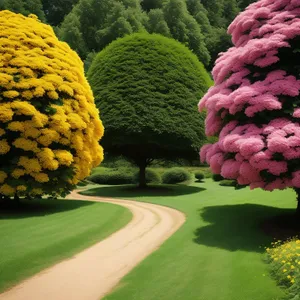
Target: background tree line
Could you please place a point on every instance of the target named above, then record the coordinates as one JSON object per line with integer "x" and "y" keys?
{"x": 90, "y": 25}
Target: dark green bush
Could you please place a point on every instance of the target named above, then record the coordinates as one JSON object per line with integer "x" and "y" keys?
{"x": 199, "y": 175}
{"x": 113, "y": 176}
{"x": 227, "y": 182}
{"x": 83, "y": 183}
{"x": 217, "y": 177}
{"x": 176, "y": 175}
{"x": 151, "y": 177}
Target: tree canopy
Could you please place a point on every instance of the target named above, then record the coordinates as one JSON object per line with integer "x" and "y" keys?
{"x": 49, "y": 125}
{"x": 24, "y": 7}
{"x": 90, "y": 25}
{"x": 254, "y": 106}
{"x": 147, "y": 88}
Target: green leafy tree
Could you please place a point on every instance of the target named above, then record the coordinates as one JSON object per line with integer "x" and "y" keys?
{"x": 244, "y": 3}
{"x": 71, "y": 31}
{"x": 221, "y": 12}
{"x": 217, "y": 41}
{"x": 157, "y": 23}
{"x": 56, "y": 10}
{"x": 24, "y": 7}
{"x": 99, "y": 22}
{"x": 147, "y": 88}
{"x": 200, "y": 14}
{"x": 185, "y": 29}
{"x": 147, "y": 5}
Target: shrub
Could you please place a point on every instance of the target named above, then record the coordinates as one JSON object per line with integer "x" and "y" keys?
{"x": 49, "y": 125}
{"x": 227, "y": 182}
{"x": 176, "y": 175}
{"x": 217, "y": 177}
{"x": 113, "y": 176}
{"x": 199, "y": 175}
{"x": 151, "y": 176}
{"x": 285, "y": 266}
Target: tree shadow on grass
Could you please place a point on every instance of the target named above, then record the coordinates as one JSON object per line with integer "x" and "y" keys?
{"x": 130, "y": 191}
{"x": 237, "y": 227}
{"x": 38, "y": 208}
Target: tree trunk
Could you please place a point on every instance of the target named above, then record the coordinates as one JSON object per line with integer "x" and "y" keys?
{"x": 142, "y": 174}
{"x": 298, "y": 201}
{"x": 16, "y": 199}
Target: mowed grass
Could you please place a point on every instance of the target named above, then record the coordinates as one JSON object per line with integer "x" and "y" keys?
{"x": 42, "y": 233}
{"x": 216, "y": 255}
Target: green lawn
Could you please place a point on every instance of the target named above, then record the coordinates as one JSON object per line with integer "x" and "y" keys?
{"x": 216, "y": 255}
{"x": 44, "y": 232}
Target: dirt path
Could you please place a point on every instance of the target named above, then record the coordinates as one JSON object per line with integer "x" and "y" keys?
{"x": 94, "y": 272}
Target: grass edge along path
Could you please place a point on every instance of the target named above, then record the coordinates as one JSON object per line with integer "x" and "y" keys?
{"x": 46, "y": 232}
{"x": 216, "y": 255}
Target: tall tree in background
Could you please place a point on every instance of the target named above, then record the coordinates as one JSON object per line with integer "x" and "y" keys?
{"x": 221, "y": 12}
{"x": 99, "y": 22}
{"x": 147, "y": 5}
{"x": 174, "y": 19}
{"x": 244, "y": 3}
{"x": 24, "y": 7}
{"x": 157, "y": 23}
{"x": 147, "y": 88}
{"x": 56, "y": 10}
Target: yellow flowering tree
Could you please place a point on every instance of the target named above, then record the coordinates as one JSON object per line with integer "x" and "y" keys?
{"x": 49, "y": 125}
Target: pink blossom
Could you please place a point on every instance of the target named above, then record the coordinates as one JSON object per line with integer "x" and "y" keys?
{"x": 250, "y": 173}
{"x": 296, "y": 113}
{"x": 276, "y": 184}
{"x": 278, "y": 144}
{"x": 277, "y": 167}
{"x": 296, "y": 179}
{"x": 203, "y": 152}
{"x": 230, "y": 169}
{"x": 216, "y": 162}
{"x": 253, "y": 143}
{"x": 250, "y": 146}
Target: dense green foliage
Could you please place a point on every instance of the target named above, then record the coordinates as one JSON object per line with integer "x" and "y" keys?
{"x": 176, "y": 175}
{"x": 199, "y": 175}
{"x": 40, "y": 233}
{"x": 113, "y": 176}
{"x": 151, "y": 175}
{"x": 147, "y": 88}
{"x": 56, "y": 10}
{"x": 226, "y": 182}
{"x": 217, "y": 177}
{"x": 122, "y": 175}
{"x": 24, "y": 7}
{"x": 89, "y": 25}
{"x": 216, "y": 254}
{"x": 93, "y": 24}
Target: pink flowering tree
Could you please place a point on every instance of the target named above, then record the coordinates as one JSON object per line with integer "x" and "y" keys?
{"x": 254, "y": 106}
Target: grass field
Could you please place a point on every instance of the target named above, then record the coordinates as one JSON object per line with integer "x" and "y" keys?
{"x": 41, "y": 233}
{"x": 216, "y": 255}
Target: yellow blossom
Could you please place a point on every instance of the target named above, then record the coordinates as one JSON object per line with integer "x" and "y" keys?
{"x": 36, "y": 70}
{"x": 17, "y": 173}
{"x": 21, "y": 188}
{"x": 10, "y": 94}
{"x": 26, "y": 144}
{"x": 4, "y": 147}
{"x": 7, "y": 190}
{"x": 40, "y": 177}
{"x": 3, "y": 176}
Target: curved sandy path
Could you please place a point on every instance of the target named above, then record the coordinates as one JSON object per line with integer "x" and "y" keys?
{"x": 94, "y": 272}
